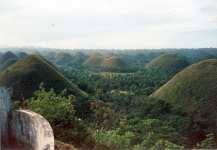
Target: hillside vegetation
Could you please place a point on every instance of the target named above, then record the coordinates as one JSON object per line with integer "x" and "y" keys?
{"x": 25, "y": 76}
{"x": 94, "y": 60}
{"x": 169, "y": 63}
{"x": 197, "y": 82}
{"x": 118, "y": 112}
{"x": 193, "y": 92}
{"x": 7, "y": 59}
{"x": 114, "y": 63}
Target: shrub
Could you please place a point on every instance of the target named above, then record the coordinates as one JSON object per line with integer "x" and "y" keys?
{"x": 59, "y": 111}
{"x": 159, "y": 145}
{"x": 55, "y": 108}
{"x": 113, "y": 140}
{"x": 208, "y": 143}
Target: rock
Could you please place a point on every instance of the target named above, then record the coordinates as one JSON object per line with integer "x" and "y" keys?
{"x": 31, "y": 129}
{"x": 22, "y": 129}
{"x": 5, "y": 107}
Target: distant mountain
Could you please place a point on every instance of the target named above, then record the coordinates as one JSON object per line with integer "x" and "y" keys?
{"x": 94, "y": 60}
{"x": 168, "y": 63}
{"x": 63, "y": 58}
{"x": 25, "y": 76}
{"x": 78, "y": 58}
{"x": 114, "y": 63}
{"x": 6, "y": 56}
{"x": 22, "y": 55}
{"x": 194, "y": 56}
{"x": 7, "y": 59}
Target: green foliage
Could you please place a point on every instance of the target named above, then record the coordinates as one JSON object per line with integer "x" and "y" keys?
{"x": 120, "y": 114}
{"x": 25, "y": 76}
{"x": 115, "y": 64}
{"x": 159, "y": 145}
{"x": 140, "y": 83}
{"x": 168, "y": 63}
{"x": 146, "y": 106}
{"x": 59, "y": 110}
{"x": 113, "y": 140}
{"x": 151, "y": 130}
{"x": 104, "y": 116}
{"x": 192, "y": 92}
{"x": 185, "y": 88}
{"x": 208, "y": 143}
{"x": 55, "y": 108}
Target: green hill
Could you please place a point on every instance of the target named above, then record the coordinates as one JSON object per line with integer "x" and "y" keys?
{"x": 63, "y": 58}
{"x": 113, "y": 63}
{"x": 22, "y": 55}
{"x": 78, "y": 58}
{"x": 194, "y": 92}
{"x": 94, "y": 60}
{"x": 25, "y": 76}
{"x": 169, "y": 63}
{"x": 198, "y": 55}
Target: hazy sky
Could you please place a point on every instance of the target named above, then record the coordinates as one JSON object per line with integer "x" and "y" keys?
{"x": 108, "y": 23}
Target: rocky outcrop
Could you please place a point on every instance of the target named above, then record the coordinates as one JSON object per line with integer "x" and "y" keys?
{"x": 5, "y": 106}
{"x": 31, "y": 129}
{"x": 23, "y": 129}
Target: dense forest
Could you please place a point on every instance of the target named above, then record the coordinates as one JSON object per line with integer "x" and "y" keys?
{"x": 118, "y": 99}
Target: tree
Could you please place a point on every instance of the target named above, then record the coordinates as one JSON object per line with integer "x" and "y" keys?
{"x": 55, "y": 108}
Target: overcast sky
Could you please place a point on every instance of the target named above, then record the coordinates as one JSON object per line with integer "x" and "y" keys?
{"x": 108, "y": 23}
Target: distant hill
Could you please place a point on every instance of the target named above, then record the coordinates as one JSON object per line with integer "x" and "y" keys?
{"x": 63, "y": 58}
{"x": 194, "y": 56}
{"x": 6, "y": 56}
{"x": 7, "y": 59}
{"x": 25, "y": 76}
{"x": 22, "y": 55}
{"x": 94, "y": 60}
{"x": 169, "y": 63}
{"x": 78, "y": 59}
{"x": 193, "y": 92}
{"x": 114, "y": 63}
{"x": 107, "y": 62}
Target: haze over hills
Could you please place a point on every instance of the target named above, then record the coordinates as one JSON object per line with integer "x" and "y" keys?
{"x": 25, "y": 76}
{"x": 7, "y": 59}
{"x": 198, "y": 55}
{"x": 63, "y": 57}
{"x": 114, "y": 63}
{"x": 169, "y": 63}
{"x": 6, "y": 56}
{"x": 94, "y": 60}
{"x": 22, "y": 55}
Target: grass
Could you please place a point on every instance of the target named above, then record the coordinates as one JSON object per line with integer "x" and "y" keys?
{"x": 94, "y": 60}
{"x": 26, "y": 75}
{"x": 170, "y": 63}
{"x": 194, "y": 91}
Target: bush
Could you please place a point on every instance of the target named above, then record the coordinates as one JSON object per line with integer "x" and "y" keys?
{"x": 159, "y": 145}
{"x": 113, "y": 140}
{"x": 59, "y": 111}
{"x": 103, "y": 115}
{"x": 208, "y": 143}
{"x": 55, "y": 108}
